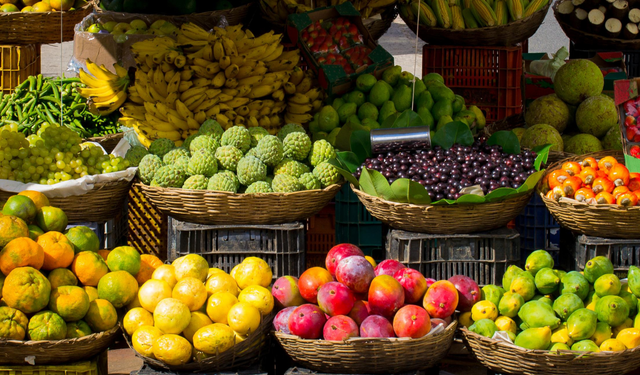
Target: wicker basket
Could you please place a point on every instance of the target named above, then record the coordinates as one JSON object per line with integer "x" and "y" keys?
{"x": 41, "y": 28}
{"x": 241, "y": 355}
{"x": 108, "y": 142}
{"x": 505, "y": 358}
{"x": 99, "y": 204}
{"x": 219, "y": 207}
{"x": 600, "y": 220}
{"x": 505, "y": 35}
{"x": 445, "y": 218}
{"x": 379, "y": 27}
{"x": 14, "y": 352}
{"x": 369, "y": 355}
{"x": 594, "y": 41}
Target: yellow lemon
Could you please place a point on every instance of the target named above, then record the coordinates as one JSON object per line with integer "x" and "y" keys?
{"x": 218, "y": 306}
{"x": 260, "y": 297}
{"x": 484, "y": 310}
{"x": 136, "y": 318}
{"x": 152, "y": 292}
{"x": 192, "y": 265}
{"x": 198, "y": 320}
{"x": 465, "y": 319}
{"x": 213, "y": 270}
{"x": 214, "y": 338}
{"x": 630, "y": 337}
{"x": 191, "y": 292}
{"x": 243, "y": 318}
{"x": 143, "y": 339}
{"x": 172, "y": 349}
{"x": 612, "y": 345}
{"x": 504, "y": 323}
{"x": 253, "y": 271}
{"x": 166, "y": 273}
{"x": 171, "y": 316}
{"x": 221, "y": 282}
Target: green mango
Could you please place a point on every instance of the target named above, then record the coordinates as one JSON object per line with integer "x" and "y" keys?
{"x": 458, "y": 104}
{"x": 634, "y": 280}
{"x": 387, "y": 109}
{"x": 426, "y": 117}
{"x": 371, "y": 124}
{"x": 379, "y": 94}
{"x": 510, "y": 304}
{"x": 392, "y": 75}
{"x": 612, "y": 310}
{"x": 433, "y": 77}
{"x": 356, "y": 97}
{"x": 465, "y": 116}
{"x": 597, "y": 267}
{"x": 566, "y": 304}
{"x": 365, "y": 82}
{"x": 402, "y": 98}
{"x": 509, "y": 275}
{"x": 441, "y": 92}
{"x": 547, "y": 281}
{"x": 538, "y": 314}
{"x": 585, "y": 346}
{"x": 368, "y": 110}
{"x": 418, "y": 87}
{"x": 603, "y": 332}
{"x": 538, "y": 260}
{"x": 560, "y": 274}
{"x": 491, "y": 293}
{"x": 405, "y": 79}
{"x": 534, "y": 338}
{"x": 607, "y": 285}
{"x": 631, "y": 300}
{"x": 424, "y": 100}
{"x": 543, "y": 298}
{"x": 444, "y": 120}
{"x": 347, "y": 110}
{"x": 582, "y": 324}
{"x": 337, "y": 103}
{"x": 484, "y": 327}
{"x": 442, "y": 108}
{"x": 574, "y": 282}
{"x": 559, "y": 346}
{"x": 524, "y": 285}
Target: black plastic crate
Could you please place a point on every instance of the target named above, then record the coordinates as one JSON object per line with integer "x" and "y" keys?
{"x": 282, "y": 246}
{"x": 482, "y": 256}
{"x": 537, "y": 228}
{"x": 631, "y": 57}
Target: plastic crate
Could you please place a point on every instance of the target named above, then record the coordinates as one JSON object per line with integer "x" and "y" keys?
{"x": 98, "y": 365}
{"x": 537, "y": 228}
{"x": 225, "y": 246}
{"x": 355, "y": 225}
{"x": 482, "y": 256}
{"x": 631, "y": 57}
{"x": 488, "y": 77}
{"x": 17, "y": 63}
{"x": 321, "y": 235}
{"x": 146, "y": 225}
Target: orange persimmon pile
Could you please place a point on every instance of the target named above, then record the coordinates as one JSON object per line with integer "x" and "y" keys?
{"x": 605, "y": 181}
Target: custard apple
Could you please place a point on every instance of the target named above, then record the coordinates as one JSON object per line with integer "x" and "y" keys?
{"x": 212, "y": 128}
{"x": 135, "y": 154}
{"x": 168, "y": 176}
{"x": 296, "y": 146}
{"x": 182, "y": 163}
{"x": 172, "y": 156}
{"x": 269, "y": 150}
{"x": 187, "y": 142}
{"x": 228, "y": 157}
{"x": 252, "y": 152}
{"x": 259, "y": 187}
{"x": 161, "y": 146}
{"x": 196, "y": 182}
{"x": 232, "y": 176}
{"x": 291, "y": 167}
{"x": 238, "y": 137}
{"x": 321, "y": 151}
{"x": 289, "y": 128}
{"x": 222, "y": 182}
{"x": 284, "y": 183}
{"x": 256, "y": 135}
{"x": 309, "y": 181}
{"x": 203, "y": 162}
{"x": 203, "y": 141}
{"x": 327, "y": 174}
{"x": 148, "y": 166}
{"x": 251, "y": 169}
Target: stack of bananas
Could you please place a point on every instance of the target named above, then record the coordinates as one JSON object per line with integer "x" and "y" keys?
{"x": 228, "y": 75}
{"x": 105, "y": 91}
{"x": 277, "y": 11}
{"x": 304, "y": 100}
{"x": 469, "y": 14}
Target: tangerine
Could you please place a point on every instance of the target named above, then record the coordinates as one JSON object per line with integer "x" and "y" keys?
{"x": 58, "y": 250}
{"x": 21, "y": 252}
{"x": 89, "y": 268}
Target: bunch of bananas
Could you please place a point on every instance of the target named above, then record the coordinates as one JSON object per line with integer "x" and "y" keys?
{"x": 105, "y": 91}
{"x": 277, "y": 11}
{"x": 228, "y": 75}
{"x": 304, "y": 100}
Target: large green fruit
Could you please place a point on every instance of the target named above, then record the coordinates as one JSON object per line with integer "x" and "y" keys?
{"x": 634, "y": 280}
{"x": 538, "y": 314}
{"x": 578, "y": 80}
{"x": 596, "y": 115}
{"x": 574, "y": 282}
{"x": 492, "y": 293}
{"x": 538, "y": 260}
{"x": 547, "y": 281}
{"x": 512, "y": 272}
{"x": 607, "y": 285}
{"x": 540, "y": 135}
{"x": 484, "y": 327}
{"x": 534, "y": 338}
{"x": 328, "y": 119}
{"x": 442, "y": 108}
{"x": 510, "y": 304}
{"x": 549, "y": 110}
{"x": 597, "y": 267}
{"x": 402, "y": 98}
{"x": 582, "y": 324}
{"x": 581, "y": 144}
{"x": 524, "y": 285}
{"x": 612, "y": 310}
{"x": 379, "y": 94}
{"x": 567, "y": 304}
{"x": 20, "y": 206}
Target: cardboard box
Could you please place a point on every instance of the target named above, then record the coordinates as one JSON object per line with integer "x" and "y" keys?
{"x": 627, "y": 90}
{"x": 333, "y": 78}
{"x": 536, "y": 86}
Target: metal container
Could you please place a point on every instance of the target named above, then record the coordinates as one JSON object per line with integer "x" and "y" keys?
{"x": 400, "y": 139}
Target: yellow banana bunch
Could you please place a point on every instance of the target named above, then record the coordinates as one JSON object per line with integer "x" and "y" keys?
{"x": 105, "y": 91}
{"x": 305, "y": 100}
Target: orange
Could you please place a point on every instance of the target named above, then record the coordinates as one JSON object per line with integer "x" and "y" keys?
{"x": 214, "y": 338}
{"x": 136, "y": 318}
{"x": 171, "y": 316}
{"x": 12, "y": 227}
{"x": 213, "y": 270}
{"x": 13, "y": 324}
{"x": 260, "y": 297}
{"x": 192, "y": 265}
{"x": 51, "y": 218}
{"x": 20, "y": 206}
{"x": 221, "y": 282}
{"x": 152, "y": 292}
{"x": 198, "y": 320}
{"x": 218, "y": 306}
{"x": 26, "y": 289}
{"x": 124, "y": 258}
{"x": 143, "y": 338}
{"x": 58, "y": 250}
{"x": 70, "y": 302}
{"x": 119, "y": 288}
{"x": 252, "y": 271}
{"x": 104, "y": 254}
{"x": 39, "y": 199}
{"x": 101, "y": 316}
{"x": 62, "y": 277}
{"x": 47, "y": 325}
{"x": 148, "y": 264}
{"x": 89, "y": 268}
{"x": 172, "y": 349}
{"x": 243, "y": 318}
{"x": 35, "y": 232}
{"x": 78, "y": 329}
{"x": 191, "y": 292}
{"x": 166, "y": 273}
{"x": 21, "y": 252}
{"x": 63, "y": 5}
{"x": 41, "y": 7}
{"x": 83, "y": 239}
{"x": 91, "y": 292}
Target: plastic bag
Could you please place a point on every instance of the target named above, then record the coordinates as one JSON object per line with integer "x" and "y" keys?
{"x": 549, "y": 68}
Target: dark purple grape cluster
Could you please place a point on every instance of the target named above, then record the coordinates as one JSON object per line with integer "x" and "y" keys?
{"x": 445, "y": 172}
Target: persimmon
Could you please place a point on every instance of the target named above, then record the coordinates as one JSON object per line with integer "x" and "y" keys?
{"x": 627, "y": 199}
{"x": 602, "y": 184}
{"x": 605, "y": 198}
{"x": 583, "y": 194}
{"x": 619, "y": 175}
{"x": 571, "y": 167}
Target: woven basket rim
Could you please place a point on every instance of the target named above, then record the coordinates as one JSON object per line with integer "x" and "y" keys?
{"x": 195, "y": 193}
{"x": 89, "y": 4}
{"x": 74, "y": 341}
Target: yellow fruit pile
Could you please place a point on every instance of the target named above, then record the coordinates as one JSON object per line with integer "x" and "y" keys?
{"x": 188, "y": 311}
{"x": 228, "y": 75}
{"x": 277, "y": 11}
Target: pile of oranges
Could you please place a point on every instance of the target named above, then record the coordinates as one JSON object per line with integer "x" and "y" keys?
{"x": 604, "y": 181}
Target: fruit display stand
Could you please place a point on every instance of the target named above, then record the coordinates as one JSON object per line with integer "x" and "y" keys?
{"x": 17, "y": 63}
{"x": 98, "y": 365}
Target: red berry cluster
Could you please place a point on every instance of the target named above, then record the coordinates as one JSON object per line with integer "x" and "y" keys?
{"x": 635, "y": 151}
{"x": 336, "y": 59}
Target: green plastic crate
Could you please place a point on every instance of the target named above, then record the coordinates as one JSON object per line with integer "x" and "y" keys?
{"x": 355, "y": 225}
